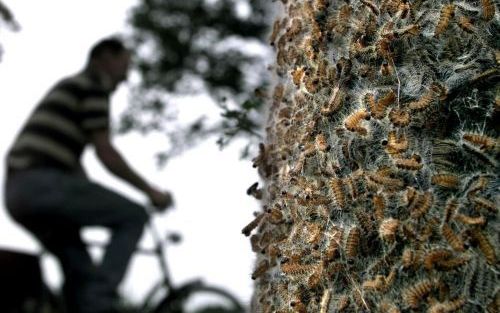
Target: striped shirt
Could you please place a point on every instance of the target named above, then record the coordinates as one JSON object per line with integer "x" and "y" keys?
{"x": 58, "y": 130}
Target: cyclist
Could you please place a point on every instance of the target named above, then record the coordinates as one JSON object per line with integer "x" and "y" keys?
{"x": 49, "y": 194}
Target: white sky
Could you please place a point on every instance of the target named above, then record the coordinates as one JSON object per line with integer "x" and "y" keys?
{"x": 209, "y": 185}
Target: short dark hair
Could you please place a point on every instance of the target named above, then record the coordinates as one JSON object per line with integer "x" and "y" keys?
{"x": 111, "y": 44}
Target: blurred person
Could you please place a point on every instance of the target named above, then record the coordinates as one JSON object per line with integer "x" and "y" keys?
{"x": 48, "y": 193}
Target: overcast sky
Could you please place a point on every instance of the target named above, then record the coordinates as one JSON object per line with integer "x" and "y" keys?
{"x": 209, "y": 185}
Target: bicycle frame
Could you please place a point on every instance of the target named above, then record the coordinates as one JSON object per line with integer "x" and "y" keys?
{"x": 171, "y": 293}
{"x": 159, "y": 252}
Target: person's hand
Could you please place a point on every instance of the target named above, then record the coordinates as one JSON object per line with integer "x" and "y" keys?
{"x": 161, "y": 200}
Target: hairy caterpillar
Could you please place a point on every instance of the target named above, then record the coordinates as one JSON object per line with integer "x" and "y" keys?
{"x": 294, "y": 29}
{"x": 310, "y": 49}
{"x": 479, "y": 184}
{"x": 395, "y": 145}
{"x": 358, "y": 48}
{"x": 447, "y": 12}
{"x": 422, "y": 205}
{"x": 325, "y": 301}
{"x": 411, "y": 30}
{"x": 295, "y": 269}
{"x": 435, "y": 256}
{"x": 388, "y": 228}
{"x": 322, "y": 71}
{"x": 275, "y": 32}
{"x": 378, "y": 283}
{"x": 370, "y": 100}
{"x": 378, "y": 202}
{"x": 344, "y": 66}
{"x": 494, "y": 305}
{"x": 446, "y": 180}
{"x": 485, "y": 246}
{"x": 468, "y": 220}
{"x": 410, "y": 195}
{"x": 485, "y": 143}
{"x": 411, "y": 258}
{"x": 343, "y": 19}
{"x": 275, "y": 216}
{"x": 321, "y": 143}
{"x": 261, "y": 269}
{"x": 481, "y": 202}
{"x": 351, "y": 184}
{"x": 273, "y": 251}
{"x": 311, "y": 83}
{"x": 334, "y": 103}
{"x": 254, "y": 243}
{"x": 386, "y": 69}
{"x": 297, "y": 75}
{"x": 452, "y": 263}
{"x": 429, "y": 228}
{"x": 359, "y": 300}
{"x": 453, "y": 239}
{"x": 309, "y": 149}
{"x": 254, "y": 191}
{"x": 411, "y": 164}
{"x": 279, "y": 92}
{"x": 352, "y": 242}
{"x": 378, "y": 111}
{"x": 389, "y": 280}
{"x": 338, "y": 191}
{"x": 383, "y": 48}
{"x": 371, "y": 6}
{"x": 342, "y": 303}
{"x": 447, "y": 306}
{"x": 281, "y": 57}
{"x": 335, "y": 235}
{"x": 465, "y": 24}
{"x": 292, "y": 54}
{"x": 450, "y": 209}
{"x": 409, "y": 232}
{"x": 488, "y": 9}
{"x": 265, "y": 240}
{"x": 413, "y": 295}
{"x": 422, "y": 103}
{"x": 364, "y": 220}
{"x": 298, "y": 306}
{"x": 251, "y": 226}
{"x": 385, "y": 180}
{"x": 388, "y": 307}
{"x": 399, "y": 117}
{"x": 390, "y": 6}
{"x": 314, "y": 233}
{"x": 315, "y": 278}
{"x": 403, "y": 9}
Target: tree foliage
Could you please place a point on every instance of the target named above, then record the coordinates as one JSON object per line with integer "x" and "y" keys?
{"x": 7, "y": 18}
{"x": 198, "y": 47}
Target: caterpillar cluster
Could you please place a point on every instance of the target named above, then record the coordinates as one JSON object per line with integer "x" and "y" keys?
{"x": 380, "y": 162}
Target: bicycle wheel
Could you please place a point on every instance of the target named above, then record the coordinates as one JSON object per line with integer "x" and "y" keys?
{"x": 199, "y": 298}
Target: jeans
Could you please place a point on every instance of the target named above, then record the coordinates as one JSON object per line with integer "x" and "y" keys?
{"x": 54, "y": 206}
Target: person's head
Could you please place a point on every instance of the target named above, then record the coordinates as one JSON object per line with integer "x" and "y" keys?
{"x": 111, "y": 57}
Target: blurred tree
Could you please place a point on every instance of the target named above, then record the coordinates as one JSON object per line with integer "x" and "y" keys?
{"x": 7, "y": 18}
{"x": 204, "y": 50}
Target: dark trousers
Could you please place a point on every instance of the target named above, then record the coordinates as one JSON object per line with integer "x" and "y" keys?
{"x": 54, "y": 206}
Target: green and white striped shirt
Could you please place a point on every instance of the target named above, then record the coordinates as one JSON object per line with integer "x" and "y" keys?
{"x": 57, "y": 131}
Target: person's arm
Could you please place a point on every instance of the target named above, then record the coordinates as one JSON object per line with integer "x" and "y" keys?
{"x": 116, "y": 164}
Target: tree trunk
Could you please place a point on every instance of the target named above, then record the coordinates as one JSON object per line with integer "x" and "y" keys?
{"x": 381, "y": 159}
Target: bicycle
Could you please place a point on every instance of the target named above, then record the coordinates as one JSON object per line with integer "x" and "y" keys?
{"x": 163, "y": 297}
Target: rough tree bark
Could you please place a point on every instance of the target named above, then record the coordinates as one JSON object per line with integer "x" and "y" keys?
{"x": 381, "y": 159}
